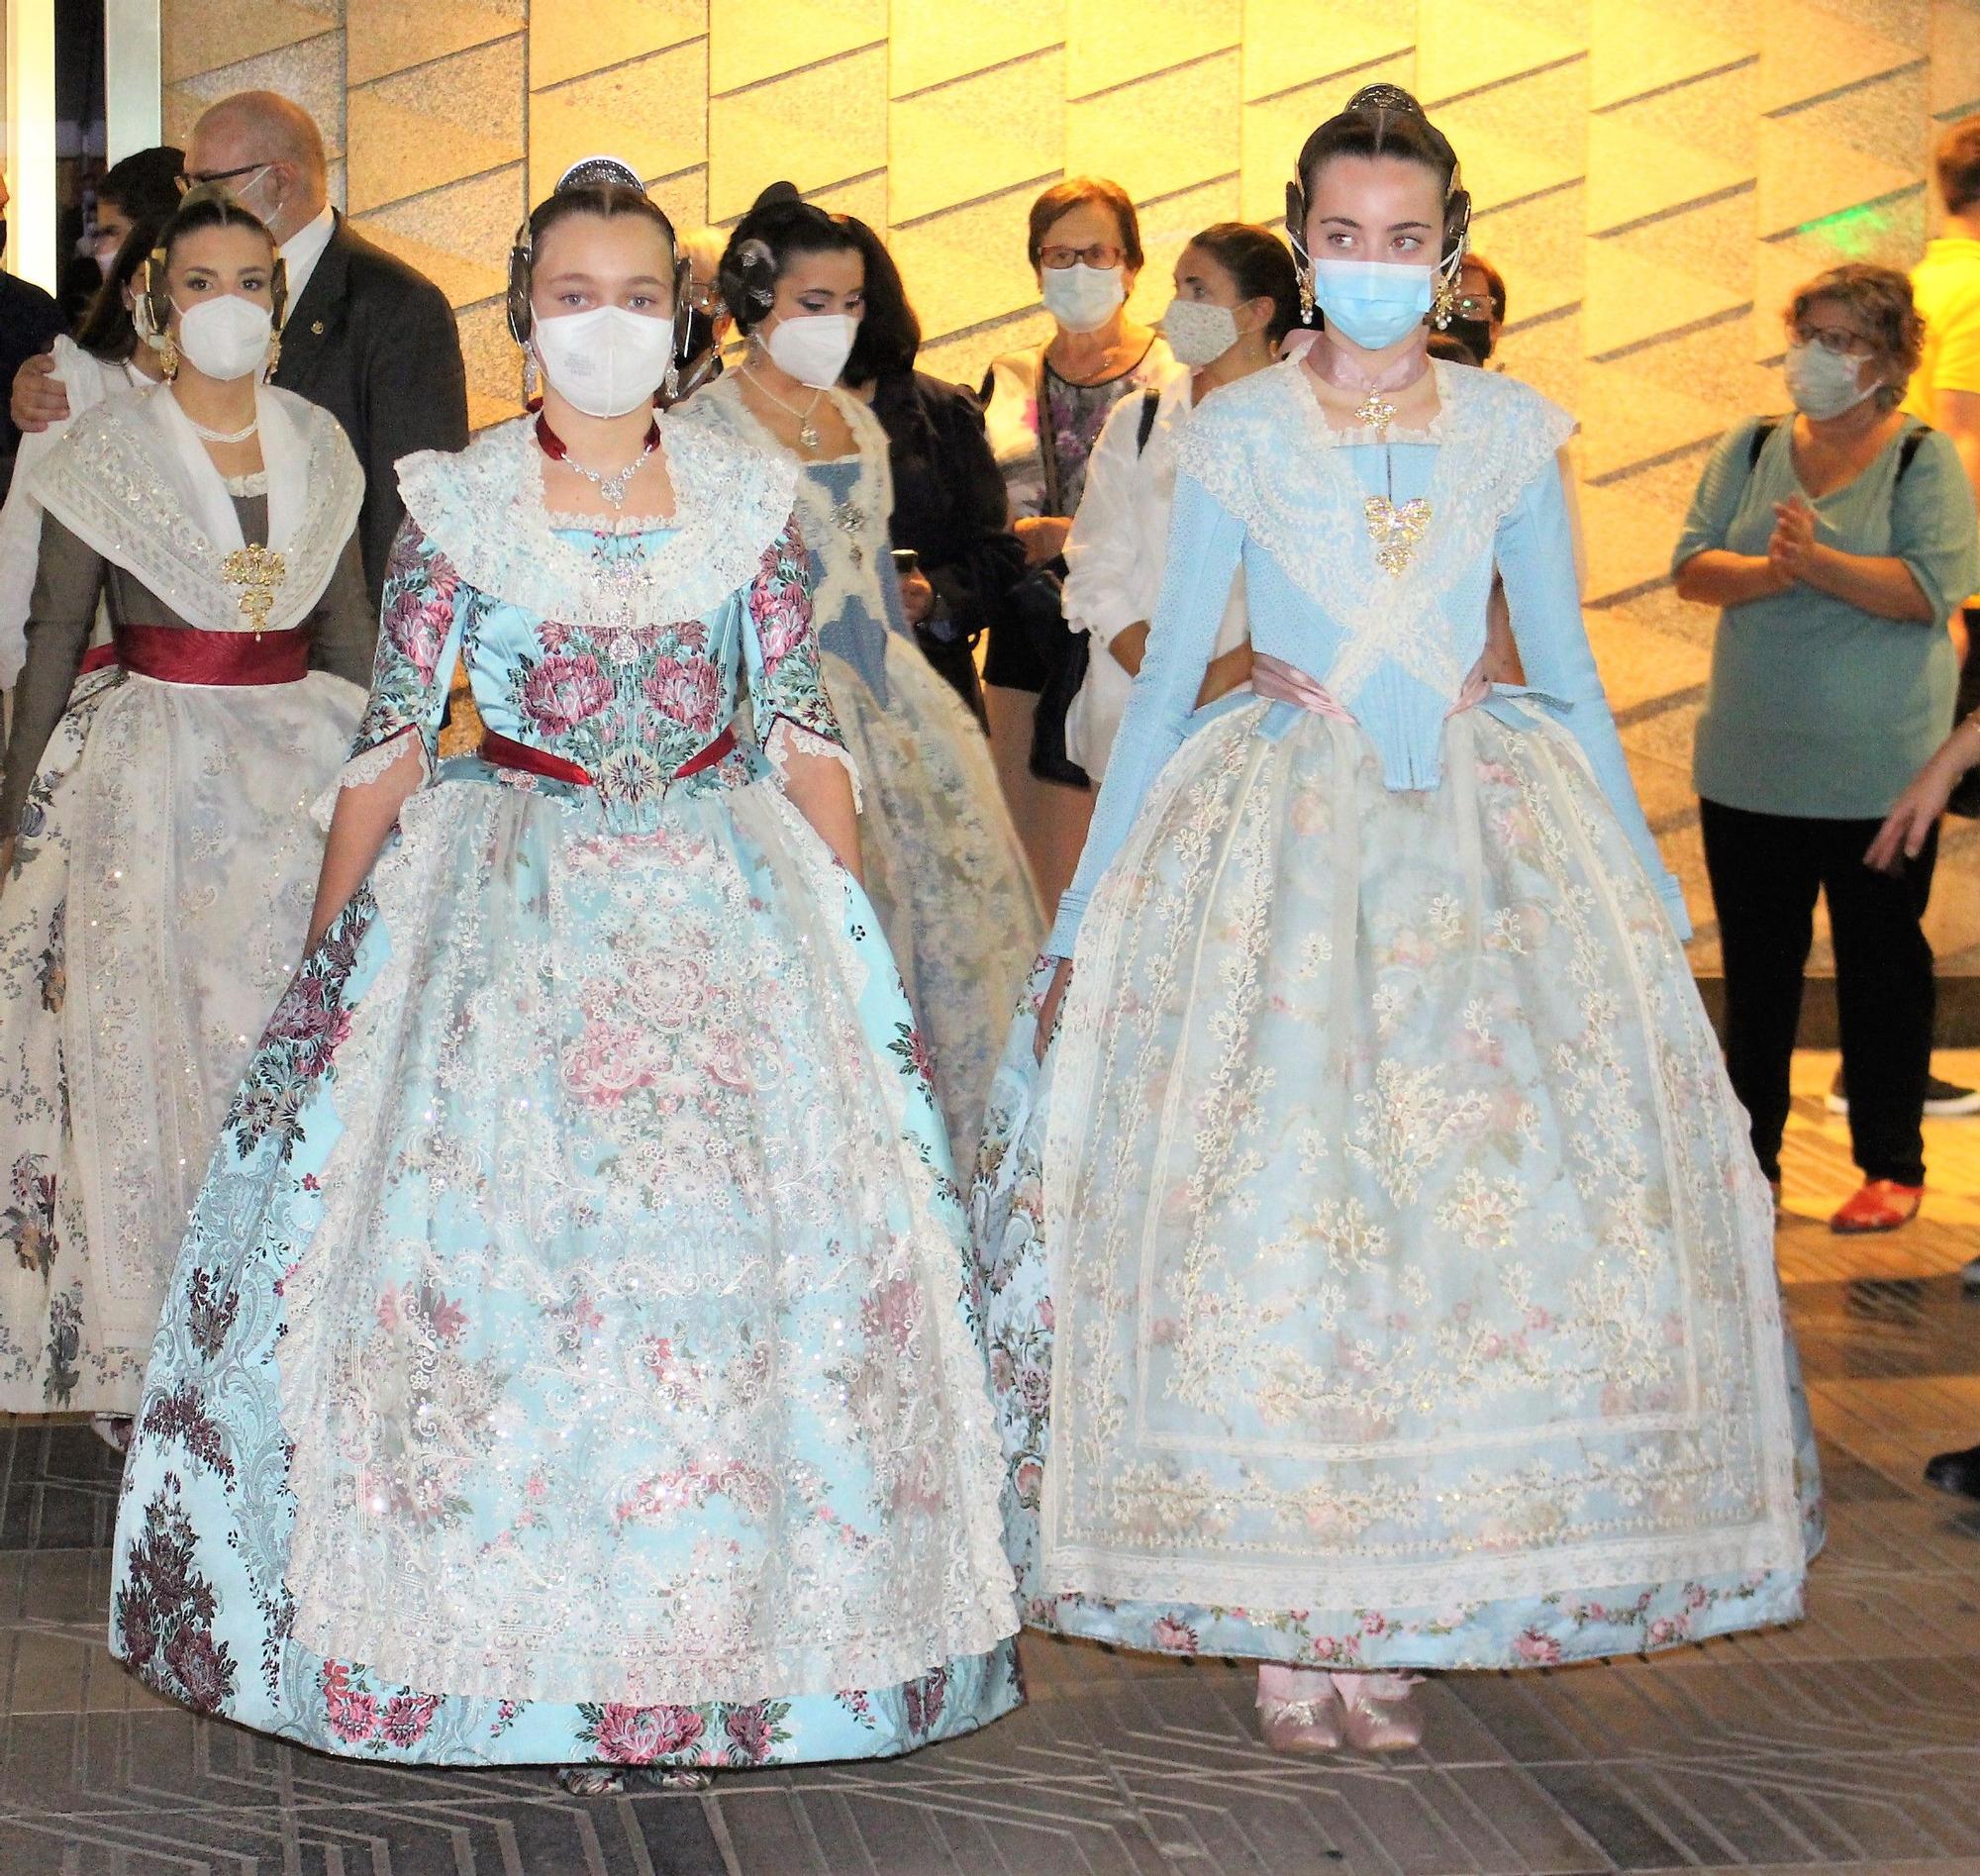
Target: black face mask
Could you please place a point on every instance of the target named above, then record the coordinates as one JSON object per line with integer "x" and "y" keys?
{"x": 1476, "y": 332}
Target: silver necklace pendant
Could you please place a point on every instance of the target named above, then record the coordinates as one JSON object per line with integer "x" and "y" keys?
{"x": 850, "y": 519}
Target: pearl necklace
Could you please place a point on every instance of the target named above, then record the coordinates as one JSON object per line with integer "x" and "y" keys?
{"x": 222, "y": 435}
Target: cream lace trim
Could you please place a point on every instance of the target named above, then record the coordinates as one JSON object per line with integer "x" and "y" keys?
{"x": 484, "y": 509}
{"x": 786, "y": 737}
{"x": 104, "y": 484}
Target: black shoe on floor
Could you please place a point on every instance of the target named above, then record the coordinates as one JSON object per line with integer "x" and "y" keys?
{"x": 1955, "y": 1472}
{"x": 1944, "y": 1100}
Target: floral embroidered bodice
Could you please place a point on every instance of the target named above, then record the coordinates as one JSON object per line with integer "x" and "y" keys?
{"x": 621, "y": 683}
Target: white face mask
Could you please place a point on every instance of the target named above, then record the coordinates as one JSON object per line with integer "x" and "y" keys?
{"x": 226, "y": 336}
{"x": 607, "y": 362}
{"x": 1824, "y": 384}
{"x": 1082, "y": 298}
{"x": 813, "y": 349}
{"x": 1199, "y": 332}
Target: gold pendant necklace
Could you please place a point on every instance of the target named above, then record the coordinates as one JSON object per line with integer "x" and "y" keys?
{"x": 1394, "y": 530}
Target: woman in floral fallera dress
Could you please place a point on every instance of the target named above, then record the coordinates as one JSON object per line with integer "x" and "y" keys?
{"x": 943, "y": 866}
{"x": 1378, "y": 1277}
{"x": 570, "y": 1357}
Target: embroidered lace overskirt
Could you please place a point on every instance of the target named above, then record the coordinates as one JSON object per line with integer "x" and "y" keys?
{"x": 165, "y": 871}
{"x": 571, "y": 1325}
{"x": 1385, "y": 1188}
{"x": 943, "y": 866}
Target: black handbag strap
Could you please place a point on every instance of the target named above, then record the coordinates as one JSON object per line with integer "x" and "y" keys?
{"x": 1907, "y": 450}
{"x": 1151, "y": 402}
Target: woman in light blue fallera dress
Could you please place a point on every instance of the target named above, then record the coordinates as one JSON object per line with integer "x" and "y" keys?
{"x": 571, "y": 1357}
{"x": 1378, "y": 1277}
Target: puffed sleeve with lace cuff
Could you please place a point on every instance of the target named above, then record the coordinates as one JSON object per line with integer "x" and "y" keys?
{"x": 420, "y": 622}
{"x": 787, "y": 695}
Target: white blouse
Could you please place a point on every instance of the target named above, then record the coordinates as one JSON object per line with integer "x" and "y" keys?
{"x": 1115, "y": 558}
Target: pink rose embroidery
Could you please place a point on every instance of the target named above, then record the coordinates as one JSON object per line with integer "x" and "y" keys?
{"x": 561, "y": 692}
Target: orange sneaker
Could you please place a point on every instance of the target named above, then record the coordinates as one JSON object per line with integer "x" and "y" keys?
{"x": 1881, "y": 1205}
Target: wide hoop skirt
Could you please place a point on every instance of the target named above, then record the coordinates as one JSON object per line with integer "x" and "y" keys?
{"x": 1386, "y": 1195}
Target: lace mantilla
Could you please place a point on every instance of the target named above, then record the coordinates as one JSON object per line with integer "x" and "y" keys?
{"x": 1264, "y": 450}
{"x": 484, "y": 509}
{"x": 107, "y": 484}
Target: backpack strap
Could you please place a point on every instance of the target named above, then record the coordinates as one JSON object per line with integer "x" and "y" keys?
{"x": 1765, "y": 428}
{"x": 1151, "y": 402}
{"x": 1909, "y": 448}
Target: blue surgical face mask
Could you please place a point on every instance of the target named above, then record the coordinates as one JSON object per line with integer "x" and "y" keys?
{"x": 1372, "y": 303}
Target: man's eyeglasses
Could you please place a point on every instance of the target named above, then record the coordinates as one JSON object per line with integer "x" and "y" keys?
{"x": 1100, "y": 254}
{"x": 201, "y": 178}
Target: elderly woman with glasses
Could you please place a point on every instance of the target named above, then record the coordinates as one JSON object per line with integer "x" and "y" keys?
{"x": 1045, "y": 408}
{"x": 1835, "y": 541}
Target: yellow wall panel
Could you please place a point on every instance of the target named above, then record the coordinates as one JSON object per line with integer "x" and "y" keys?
{"x": 201, "y": 36}
{"x": 1272, "y": 130}
{"x": 931, "y": 45}
{"x": 387, "y": 36}
{"x": 813, "y": 127}
{"x": 750, "y": 41}
{"x": 1289, "y": 43}
{"x": 1160, "y": 134}
{"x": 648, "y": 111}
{"x": 959, "y": 140}
{"x": 433, "y": 124}
{"x": 1109, "y": 43}
{"x": 567, "y": 40}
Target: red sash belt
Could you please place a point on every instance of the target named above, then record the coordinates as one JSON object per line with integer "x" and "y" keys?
{"x": 173, "y": 654}
{"x": 506, "y": 752}
{"x": 96, "y": 659}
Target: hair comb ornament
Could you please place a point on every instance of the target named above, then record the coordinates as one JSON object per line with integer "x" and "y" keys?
{"x": 589, "y": 171}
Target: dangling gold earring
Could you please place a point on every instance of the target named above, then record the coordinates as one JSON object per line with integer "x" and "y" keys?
{"x": 274, "y": 357}
{"x": 168, "y": 358}
{"x": 1306, "y": 294}
{"x": 1444, "y": 303}
{"x": 531, "y": 383}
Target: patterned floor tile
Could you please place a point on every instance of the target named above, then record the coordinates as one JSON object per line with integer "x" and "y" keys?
{"x": 1849, "y": 1742}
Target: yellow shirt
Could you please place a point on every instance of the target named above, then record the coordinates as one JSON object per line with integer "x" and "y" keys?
{"x": 1945, "y": 289}
{"x": 1945, "y": 285}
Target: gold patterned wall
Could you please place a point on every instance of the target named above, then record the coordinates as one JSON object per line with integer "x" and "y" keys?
{"x": 1652, "y": 176}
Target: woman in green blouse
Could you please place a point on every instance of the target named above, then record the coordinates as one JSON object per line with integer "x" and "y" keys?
{"x": 1837, "y": 543}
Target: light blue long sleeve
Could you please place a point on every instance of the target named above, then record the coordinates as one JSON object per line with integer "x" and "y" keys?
{"x": 1535, "y": 555}
{"x": 1205, "y": 542}
{"x": 1401, "y": 709}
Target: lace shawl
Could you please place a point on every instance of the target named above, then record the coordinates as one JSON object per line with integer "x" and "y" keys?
{"x": 115, "y": 482}
{"x": 1265, "y": 453}
{"x": 483, "y": 508}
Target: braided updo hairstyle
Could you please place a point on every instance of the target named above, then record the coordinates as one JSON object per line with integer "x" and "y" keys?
{"x": 780, "y": 226}
{"x": 1383, "y": 120}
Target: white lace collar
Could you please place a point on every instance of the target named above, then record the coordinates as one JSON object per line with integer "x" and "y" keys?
{"x": 484, "y": 509}
{"x": 117, "y": 480}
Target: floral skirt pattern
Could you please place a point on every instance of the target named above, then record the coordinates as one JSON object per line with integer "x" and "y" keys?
{"x": 161, "y": 885}
{"x": 571, "y": 1355}
{"x": 943, "y": 868}
{"x": 1368, "y": 1209}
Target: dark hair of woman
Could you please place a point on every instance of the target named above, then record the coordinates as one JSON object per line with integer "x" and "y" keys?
{"x": 1381, "y": 121}
{"x": 889, "y": 333}
{"x": 145, "y": 184}
{"x": 604, "y": 198}
{"x": 1071, "y": 194}
{"x": 1258, "y": 263}
{"x": 201, "y": 208}
{"x": 780, "y": 226}
{"x": 107, "y": 331}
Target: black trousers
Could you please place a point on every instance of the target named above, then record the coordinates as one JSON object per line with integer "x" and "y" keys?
{"x": 1767, "y": 870}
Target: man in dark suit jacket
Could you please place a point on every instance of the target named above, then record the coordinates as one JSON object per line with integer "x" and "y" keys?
{"x": 28, "y": 319}
{"x": 363, "y": 334}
